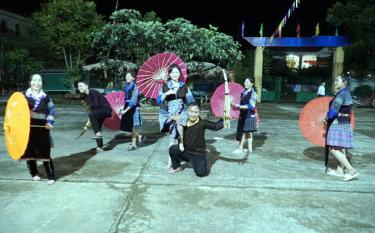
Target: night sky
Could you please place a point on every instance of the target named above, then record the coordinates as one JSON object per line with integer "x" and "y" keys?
{"x": 227, "y": 17}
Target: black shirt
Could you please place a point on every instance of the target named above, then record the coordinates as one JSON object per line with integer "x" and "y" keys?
{"x": 97, "y": 101}
{"x": 194, "y": 140}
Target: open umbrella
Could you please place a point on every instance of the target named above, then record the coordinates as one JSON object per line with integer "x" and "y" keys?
{"x": 116, "y": 100}
{"x": 218, "y": 99}
{"x": 154, "y": 73}
{"x": 17, "y": 125}
{"x": 310, "y": 120}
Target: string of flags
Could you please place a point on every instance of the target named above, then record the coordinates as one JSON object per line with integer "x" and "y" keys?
{"x": 279, "y": 28}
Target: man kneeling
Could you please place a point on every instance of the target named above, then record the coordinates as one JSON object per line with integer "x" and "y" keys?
{"x": 194, "y": 142}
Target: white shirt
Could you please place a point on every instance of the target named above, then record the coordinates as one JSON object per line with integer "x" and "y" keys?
{"x": 321, "y": 90}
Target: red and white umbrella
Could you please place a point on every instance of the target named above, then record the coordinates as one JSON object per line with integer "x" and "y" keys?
{"x": 310, "y": 120}
{"x": 116, "y": 101}
{"x": 218, "y": 99}
{"x": 154, "y": 73}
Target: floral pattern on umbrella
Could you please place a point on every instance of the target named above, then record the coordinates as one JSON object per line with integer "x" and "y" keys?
{"x": 154, "y": 73}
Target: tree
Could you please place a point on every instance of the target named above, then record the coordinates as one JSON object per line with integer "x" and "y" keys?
{"x": 65, "y": 27}
{"x": 357, "y": 18}
{"x": 130, "y": 38}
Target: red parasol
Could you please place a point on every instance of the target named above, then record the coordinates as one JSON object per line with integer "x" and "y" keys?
{"x": 154, "y": 73}
{"x": 310, "y": 120}
{"x": 116, "y": 100}
{"x": 217, "y": 100}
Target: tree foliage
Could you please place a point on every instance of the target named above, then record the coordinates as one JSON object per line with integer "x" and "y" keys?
{"x": 133, "y": 38}
{"x": 65, "y": 28}
{"x": 357, "y": 18}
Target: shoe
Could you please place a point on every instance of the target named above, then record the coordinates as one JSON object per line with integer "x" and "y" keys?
{"x": 142, "y": 141}
{"x": 333, "y": 172}
{"x": 99, "y": 149}
{"x": 238, "y": 151}
{"x": 50, "y": 182}
{"x": 132, "y": 147}
{"x": 174, "y": 171}
{"x": 349, "y": 177}
{"x": 36, "y": 178}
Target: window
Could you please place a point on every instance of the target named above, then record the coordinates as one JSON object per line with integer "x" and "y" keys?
{"x": 18, "y": 31}
{"x": 4, "y": 27}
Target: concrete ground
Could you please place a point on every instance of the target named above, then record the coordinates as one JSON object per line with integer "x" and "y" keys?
{"x": 279, "y": 187}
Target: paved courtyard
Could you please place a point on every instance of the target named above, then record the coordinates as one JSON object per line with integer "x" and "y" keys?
{"x": 279, "y": 187}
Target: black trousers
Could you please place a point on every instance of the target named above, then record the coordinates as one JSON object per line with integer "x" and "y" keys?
{"x": 48, "y": 166}
{"x": 199, "y": 161}
{"x": 97, "y": 118}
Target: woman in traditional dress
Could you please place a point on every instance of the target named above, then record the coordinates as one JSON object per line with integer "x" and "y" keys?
{"x": 173, "y": 116}
{"x": 340, "y": 133}
{"x": 247, "y": 123}
{"x": 131, "y": 114}
{"x": 42, "y": 114}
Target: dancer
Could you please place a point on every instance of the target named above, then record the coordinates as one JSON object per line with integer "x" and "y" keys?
{"x": 247, "y": 122}
{"x": 340, "y": 132}
{"x": 100, "y": 110}
{"x": 131, "y": 115}
{"x": 194, "y": 142}
{"x": 42, "y": 114}
{"x": 173, "y": 116}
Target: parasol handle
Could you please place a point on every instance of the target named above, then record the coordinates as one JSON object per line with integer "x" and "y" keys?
{"x": 227, "y": 101}
{"x": 38, "y": 126}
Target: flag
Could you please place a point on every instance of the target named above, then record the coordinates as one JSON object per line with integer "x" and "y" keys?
{"x": 261, "y": 30}
{"x": 317, "y": 29}
{"x": 243, "y": 28}
{"x": 298, "y": 30}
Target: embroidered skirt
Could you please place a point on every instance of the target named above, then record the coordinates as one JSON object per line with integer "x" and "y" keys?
{"x": 340, "y": 135}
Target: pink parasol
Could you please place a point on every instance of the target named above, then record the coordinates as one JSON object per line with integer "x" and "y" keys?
{"x": 154, "y": 73}
{"x": 217, "y": 100}
{"x": 116, "y": 100}
{"x": 310, "y": 120}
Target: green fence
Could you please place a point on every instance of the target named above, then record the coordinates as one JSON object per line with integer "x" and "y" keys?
{"x": 271, "y": 88}
{"x": 55, "y": 81}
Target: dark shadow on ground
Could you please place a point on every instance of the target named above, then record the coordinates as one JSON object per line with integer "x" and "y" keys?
{"x": 317, "y": 153}
{"x": 67, "y": 165}
{"x": 258, "y": 140}
{"x": 121, "y": 138}
{"x": 212, "y": 155}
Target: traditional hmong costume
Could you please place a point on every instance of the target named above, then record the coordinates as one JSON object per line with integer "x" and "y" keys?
{"x": 247, "y": 121}
{"x": 175, "y": 105}
{"x": 42, "y": 110}
{"x": 100, "y": 110}
{"x": 132, "y": 118}
{"x": 340, "y": 132}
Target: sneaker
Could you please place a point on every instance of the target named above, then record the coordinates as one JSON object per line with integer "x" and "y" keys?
{"x": 238, "y": 151}
{"x": 36, "y": 178}
{"x": 177, "y": 170}
{"x": 132, "y": 147}
{"x": 99, "y": 149}
{"x": 349, "y": 177}
{"x": 50, "y": 182}
{"x": 142, "y": 141}
{"x": 333, "y": 172}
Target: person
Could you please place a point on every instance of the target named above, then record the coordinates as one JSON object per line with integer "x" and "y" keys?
{"x": 173, "y": 116}
{"x": 100, "y": 110}
{"x": 321, "y": 90}
{"x": 247, "y": 121}
{"x": 340, "y": 132}
{"x": 194, "y": 142}
{"x": 42, "y": 114}
{"x": 131, "y": 116}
